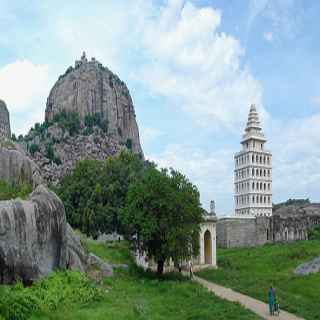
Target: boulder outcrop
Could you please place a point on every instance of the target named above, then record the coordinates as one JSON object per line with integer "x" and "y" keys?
{"x": 16, "y": 166}
{"x": 308, "y": 267}
{"x": 5, "y": 131}
{"x": 33, "y": 238}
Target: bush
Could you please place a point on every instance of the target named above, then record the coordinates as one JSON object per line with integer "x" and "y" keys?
{"x": 69, "y": 121}
{"x": 33, "y": 148}
{"x": 129, "y": 144}
{"x": 314, "y": 233}
{"x": 49, "y": 153}
{"x": 60, "y": 288}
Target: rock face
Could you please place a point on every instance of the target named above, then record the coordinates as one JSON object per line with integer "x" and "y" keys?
{"x": 33, "y": 238}
{"x": 89, "y": 89}
{"x": 16, "y": 167}
{"x": 308, "y": 267}
{"x": 70, "y": 149}
{"x": 4, "y": 121}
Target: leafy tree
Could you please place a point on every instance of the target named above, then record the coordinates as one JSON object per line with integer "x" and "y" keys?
{"x": 94, "y": 193}
{"x": 13, "y": 137}
{"x": 163, "y": 209}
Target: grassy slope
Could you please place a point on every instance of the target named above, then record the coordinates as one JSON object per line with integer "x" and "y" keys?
{"x": 137, "y": 295}
{"x": 251, "y": 271}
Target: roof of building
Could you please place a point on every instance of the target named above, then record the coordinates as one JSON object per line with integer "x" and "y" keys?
{"x": 253, "y": 128}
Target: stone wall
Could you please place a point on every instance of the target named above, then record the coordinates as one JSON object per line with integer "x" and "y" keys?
{"x": 289, "y": 223}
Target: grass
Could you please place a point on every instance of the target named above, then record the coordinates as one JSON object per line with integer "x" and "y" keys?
{"x": 136, "y": 295}
{"x": 252, "y": 270}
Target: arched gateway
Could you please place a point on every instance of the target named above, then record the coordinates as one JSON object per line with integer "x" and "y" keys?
{"x": 207, "y": 247}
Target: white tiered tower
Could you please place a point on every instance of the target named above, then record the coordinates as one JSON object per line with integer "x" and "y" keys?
{"x": 253, "y": 172}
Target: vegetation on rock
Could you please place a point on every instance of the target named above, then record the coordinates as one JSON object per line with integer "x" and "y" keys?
{"x": 11, "y": 191}
{"x": 163, "y": 210}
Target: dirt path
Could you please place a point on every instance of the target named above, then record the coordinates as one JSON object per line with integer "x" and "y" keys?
{"x": 258, "y": 307}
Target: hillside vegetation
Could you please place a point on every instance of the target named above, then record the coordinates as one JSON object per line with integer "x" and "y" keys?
{"x": 130, "y": 295}
{"x": 253, "y": 270}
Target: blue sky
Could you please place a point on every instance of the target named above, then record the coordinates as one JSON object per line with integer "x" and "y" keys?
{"x": 193, "y": 68}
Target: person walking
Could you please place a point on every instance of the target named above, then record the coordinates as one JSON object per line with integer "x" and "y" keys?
{"x": 271, "y": 300}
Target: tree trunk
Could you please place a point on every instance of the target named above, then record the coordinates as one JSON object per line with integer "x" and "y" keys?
{"x": 160, "y": 267}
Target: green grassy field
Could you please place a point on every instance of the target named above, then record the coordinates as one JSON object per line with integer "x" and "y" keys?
{"x": 130, "y": 294}
{"x": 252, "y": 270}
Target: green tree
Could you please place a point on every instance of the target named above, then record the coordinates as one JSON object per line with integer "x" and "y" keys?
{"x": 163, "y": 209}
{"x": 95, "y": 192}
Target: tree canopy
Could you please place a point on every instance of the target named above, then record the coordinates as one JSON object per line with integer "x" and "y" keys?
{"x": 163, "y": 209}
{"x": 95, "y": 191}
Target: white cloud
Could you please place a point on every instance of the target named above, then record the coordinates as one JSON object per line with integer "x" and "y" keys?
{"x": 296, "y": 153}
{"x": 315, "y": 100}
{"x": 198, "y": 67}
{"x": 148, "y": 135}
{"x": 283, "y": 15}
{"x": 24, "y": 87}
{"x": 268, "y": 36}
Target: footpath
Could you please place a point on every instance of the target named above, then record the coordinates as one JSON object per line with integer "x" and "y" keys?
{"x": 258, "y": 307}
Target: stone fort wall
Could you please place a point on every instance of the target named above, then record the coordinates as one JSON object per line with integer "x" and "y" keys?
{"x": 290, "y": 224}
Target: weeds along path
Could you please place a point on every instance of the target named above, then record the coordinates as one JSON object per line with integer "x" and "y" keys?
{"x": 258, "y": 307}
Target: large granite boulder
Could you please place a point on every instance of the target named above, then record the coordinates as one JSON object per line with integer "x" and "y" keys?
{"x": 4, "y": 121}
{"x": 90, "y": 88}
{"x": 33, "y": 238}
{"x": 308, "y": 267}
{"x": 16, "y": 166}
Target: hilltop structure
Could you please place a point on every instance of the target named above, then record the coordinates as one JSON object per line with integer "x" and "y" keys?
{"x": 5, "y": 131}
{"x": 89, "y": 115}
{"x": 91, "y": 89}
{"x": 253, "y": 172}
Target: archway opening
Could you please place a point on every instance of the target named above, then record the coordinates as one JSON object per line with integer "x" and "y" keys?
{"x": 207, "y": 248}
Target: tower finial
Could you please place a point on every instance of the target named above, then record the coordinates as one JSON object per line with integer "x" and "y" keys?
{"x": 83, "y": 57}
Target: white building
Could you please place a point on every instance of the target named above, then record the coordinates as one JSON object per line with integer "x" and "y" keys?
{"x": 253, "y": 172}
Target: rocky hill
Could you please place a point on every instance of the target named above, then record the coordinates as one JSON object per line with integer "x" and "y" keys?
{"x": 89, "y": 115}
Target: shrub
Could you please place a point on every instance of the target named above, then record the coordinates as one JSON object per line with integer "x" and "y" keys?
{"x": 33, "y": 148}
{"x": 12, "y": 191}
{"x": 129, "y": 144}
{"x": 49, "y": 153}
{"x": 60, "y": 288}
{"x": 314, "y": 233}
{"x": 69, "y": 121}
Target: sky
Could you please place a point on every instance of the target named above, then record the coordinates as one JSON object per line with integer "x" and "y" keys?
{"x": 193, "y": 69}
